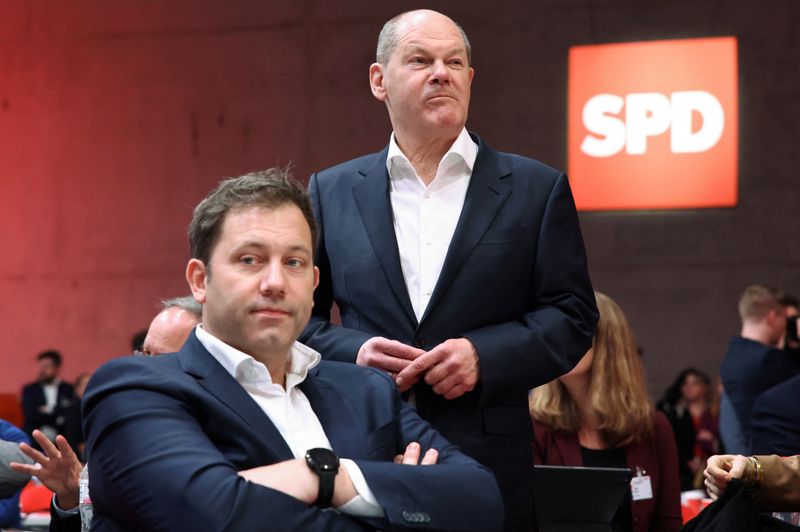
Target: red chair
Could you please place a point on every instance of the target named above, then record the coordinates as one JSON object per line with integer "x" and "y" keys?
{"x": 35, "y": 497}
{"x": 692, "y": 507}
{"x": 11, "y": 409}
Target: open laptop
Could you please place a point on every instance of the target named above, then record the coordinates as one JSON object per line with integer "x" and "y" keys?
{"x": 579, "y": 498}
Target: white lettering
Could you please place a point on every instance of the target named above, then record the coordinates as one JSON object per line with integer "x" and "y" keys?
{"x": 610, "y": 130}
{"x": 683, "y": 104}
{"x": 648, "y": 114}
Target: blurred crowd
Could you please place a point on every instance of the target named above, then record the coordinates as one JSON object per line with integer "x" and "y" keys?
{"x": 599, "y": 414}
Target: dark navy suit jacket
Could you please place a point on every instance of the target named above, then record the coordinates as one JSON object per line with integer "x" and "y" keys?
{"x": 749, "y": 369}
{"x": 166, "y": 436}
{"x": 33, "y": 398}
{"x": 514, "y": 282}
{"x": 775, "y": 420}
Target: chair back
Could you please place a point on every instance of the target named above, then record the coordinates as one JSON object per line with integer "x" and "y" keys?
{"x": 35, "y": 497}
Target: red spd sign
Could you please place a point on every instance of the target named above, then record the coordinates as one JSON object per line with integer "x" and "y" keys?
{"x": 653, "y": 125}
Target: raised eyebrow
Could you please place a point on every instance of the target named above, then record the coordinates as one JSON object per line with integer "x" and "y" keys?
{"x": 455, "y": 51}
{"x": 259, "y": 246}
{"x": 414, "y": 49}
{"x": 294, "y": 248}
{"x": 249, "y": 245}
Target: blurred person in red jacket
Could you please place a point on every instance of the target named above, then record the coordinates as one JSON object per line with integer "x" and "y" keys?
{"x": 600, "y": 415}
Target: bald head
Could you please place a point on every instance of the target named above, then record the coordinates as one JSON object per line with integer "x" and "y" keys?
{"x": 169, "y": 330}
{"x": 389, "y": 35}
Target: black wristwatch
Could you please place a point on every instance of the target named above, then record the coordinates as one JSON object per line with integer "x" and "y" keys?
{"x": 325, "y": 464}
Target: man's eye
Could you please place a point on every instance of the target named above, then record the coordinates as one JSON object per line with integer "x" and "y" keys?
{"x": 294, "y": 263}
{"x": 248, "y": 260}
{"x": 418, "y": 60}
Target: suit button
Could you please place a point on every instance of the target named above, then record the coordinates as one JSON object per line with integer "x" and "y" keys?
{"x": 419, "y": 342}
{"x": 415, "y": 517}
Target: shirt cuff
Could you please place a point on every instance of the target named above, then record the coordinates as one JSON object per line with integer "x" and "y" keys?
{"x": 364, "y": 504}
{"x": 71, "y": 511}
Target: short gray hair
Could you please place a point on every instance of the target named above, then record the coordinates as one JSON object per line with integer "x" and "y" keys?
{"x": 187, "y": 303}
{"x": 387, "y": 39}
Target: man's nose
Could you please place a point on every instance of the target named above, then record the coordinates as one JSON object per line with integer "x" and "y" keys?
{"x": 273, "y": 280}
{"x": 439, "y": 72}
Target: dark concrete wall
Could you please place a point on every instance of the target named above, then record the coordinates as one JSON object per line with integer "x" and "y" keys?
{"x": 117, "y": 117}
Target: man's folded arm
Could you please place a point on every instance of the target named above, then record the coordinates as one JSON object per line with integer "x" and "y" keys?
{"x": 152, "y": 466}
{"x": 456, "y": 493}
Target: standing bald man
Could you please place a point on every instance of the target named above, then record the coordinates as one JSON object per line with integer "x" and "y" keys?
{"x": 457, "y": 269}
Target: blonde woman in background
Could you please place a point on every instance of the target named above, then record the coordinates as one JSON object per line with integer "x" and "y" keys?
{"x": 600, "y": 415}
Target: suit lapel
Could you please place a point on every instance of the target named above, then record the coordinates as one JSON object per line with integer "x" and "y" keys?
{"x": 485, "y": 196}
{"x": 374, "y": 205}
{"x": 198, "y": 362}
{"x": 340, "y": 426}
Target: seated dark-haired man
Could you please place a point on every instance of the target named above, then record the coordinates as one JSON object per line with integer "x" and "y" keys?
{"x": 45, "y": 402}
{"x": 244, "y": 427}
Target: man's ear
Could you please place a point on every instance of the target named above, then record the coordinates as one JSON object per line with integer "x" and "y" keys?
{"x": 376, "y": 81}
{"x": 316, "y": 284}
{"x": 197, "y": 277}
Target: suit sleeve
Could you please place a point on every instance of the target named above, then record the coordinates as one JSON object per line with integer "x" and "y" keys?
{"x": 9, "y": 507}
{"x": 549, "y": 339}
{"x": 777, "y": 367}
{"x": 153, "y": 468}
{"x": 775, "y": 420}
{"x": 10, "y": 480}
{"x": 455, "y": 494}
{"x": 64, "y": 523}
{"x": 780, "y": 488}
{"x": 337, "y": 342}
{"x": 9, "y": 511}
{"x": 30, "y": 409}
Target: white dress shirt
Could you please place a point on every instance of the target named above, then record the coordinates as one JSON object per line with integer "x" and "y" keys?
{"x": 51, "y": 395}
{"x": 289, "y": 409}
{"x": 425, "y": 217}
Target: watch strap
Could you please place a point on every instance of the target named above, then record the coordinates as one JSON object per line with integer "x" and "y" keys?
{"x": 326, "y": 486}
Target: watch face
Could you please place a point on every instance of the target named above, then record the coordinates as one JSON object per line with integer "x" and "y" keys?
{"x": 323, "y": 459}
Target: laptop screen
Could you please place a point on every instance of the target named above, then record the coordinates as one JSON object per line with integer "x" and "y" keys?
{"x": 578, "y": 495}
